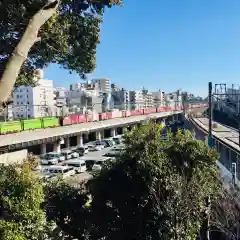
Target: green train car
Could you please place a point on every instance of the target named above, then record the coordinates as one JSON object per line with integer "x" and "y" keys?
{"x": 29, "y": 124}
{"x": 10, "y": 127}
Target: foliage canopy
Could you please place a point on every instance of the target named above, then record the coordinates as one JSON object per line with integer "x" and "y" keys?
{"x": 155, "y": 190}
{"x": 68, "y": 38}
{"x": 21, "y": 215}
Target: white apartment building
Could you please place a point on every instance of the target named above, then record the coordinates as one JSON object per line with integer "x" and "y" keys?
{"x": 148, "y": 100}
{"x": 34, "y": 102}
{"x": 103, "y": 83}
{"x": 159, "y": 98}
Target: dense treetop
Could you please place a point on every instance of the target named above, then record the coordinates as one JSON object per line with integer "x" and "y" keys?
{"x": 68, "y": 38}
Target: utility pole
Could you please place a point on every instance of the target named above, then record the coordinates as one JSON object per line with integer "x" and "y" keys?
{"x": 210, "y": 114}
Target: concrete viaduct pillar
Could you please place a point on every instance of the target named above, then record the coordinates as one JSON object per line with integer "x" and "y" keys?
{"x": 57, "y": 147}
{"x": 113, "y": 132}
{"x": 43, "y": 148}
{"x": 79, "y": 140}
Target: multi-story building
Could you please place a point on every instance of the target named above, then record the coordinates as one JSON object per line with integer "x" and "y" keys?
{"x": 61, "y": 94}
{"x": 77, "y": 86}
{"x": 121, "y": 99}
{"x": 103, "y": 84}
{"x": 34, "y": 102}
{"x": 148, "y": 100}
{"x": 136, "y": 100}
{"x": 85, "y": 98}
{"x": 174, "y": 98}
{"x": 115, "y": 87}
{"x": 159, "y": 98}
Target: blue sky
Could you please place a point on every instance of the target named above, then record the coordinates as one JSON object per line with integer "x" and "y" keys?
{"x": 168, "y": 44}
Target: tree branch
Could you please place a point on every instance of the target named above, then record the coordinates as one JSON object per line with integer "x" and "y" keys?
{"x": 20, "y": 53}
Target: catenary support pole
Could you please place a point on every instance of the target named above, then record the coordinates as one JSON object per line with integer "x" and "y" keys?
{"x": 210, "y": 114}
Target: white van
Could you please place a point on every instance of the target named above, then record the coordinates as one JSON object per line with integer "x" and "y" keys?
{"x": 65, "y": 171}
{"x": 67, "y": 154}
{"x": 78, "y": 165}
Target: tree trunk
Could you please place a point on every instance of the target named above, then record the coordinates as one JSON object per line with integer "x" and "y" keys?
{"x": 20, "y": 53}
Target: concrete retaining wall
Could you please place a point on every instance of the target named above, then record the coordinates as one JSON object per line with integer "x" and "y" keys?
{"x": 13, "y": 157}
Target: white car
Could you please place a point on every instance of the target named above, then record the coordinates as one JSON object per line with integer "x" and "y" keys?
{"x": 75, "y": 155}
{"x": 92, "y": 148}
{"x": 49, "y": 161}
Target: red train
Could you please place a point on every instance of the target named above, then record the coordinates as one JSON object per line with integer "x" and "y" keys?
{"x": 95, "y": 117}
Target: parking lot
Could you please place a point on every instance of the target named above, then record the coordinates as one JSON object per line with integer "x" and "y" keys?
{"x": 76, "y": 179}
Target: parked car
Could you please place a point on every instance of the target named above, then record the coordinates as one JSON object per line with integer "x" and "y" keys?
{"x": 57, "y": 155}
{"x": 93, "y": 148}
{"x": 67, "y": 154}
{"x": 98, "y": 164}
{"x": 75, "y": 154}
{"x": 47, "y": 176}
{"x": 82, "y": 150}
{"x": 90, "y": 161}
{"x": 48, "y": 160}
{"x": 100, "y": 144}
{"x": 113, "y": 153}
{"x": 63, "y": 171}
{"x": 78, "y": 165}
{"x": 117, "y": 140}
{"x": 109, "y": 142}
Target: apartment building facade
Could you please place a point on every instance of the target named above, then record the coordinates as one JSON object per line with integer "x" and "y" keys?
{"x": 104, "y": 84}
{"x": 34, "y": 102}
{"x": 136, "y": 100}
{"x": 159, "y": 98}
{"x": 121, "y": 99}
